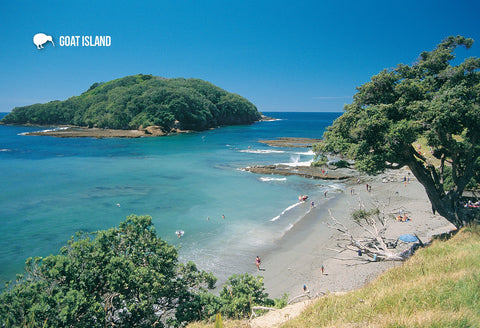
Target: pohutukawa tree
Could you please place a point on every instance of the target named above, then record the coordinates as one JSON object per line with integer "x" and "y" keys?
{"x": 432, "y": 99}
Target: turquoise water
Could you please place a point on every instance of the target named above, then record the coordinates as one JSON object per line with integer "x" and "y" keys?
{"x": 53, "y": 187}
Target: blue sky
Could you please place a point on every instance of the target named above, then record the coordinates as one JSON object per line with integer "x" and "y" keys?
{"x": 281, "y": 55}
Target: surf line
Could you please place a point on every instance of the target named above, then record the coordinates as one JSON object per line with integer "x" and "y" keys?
{"x": 286, "y": 210}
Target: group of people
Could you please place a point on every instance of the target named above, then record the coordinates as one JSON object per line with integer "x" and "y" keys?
{"x": 403, "y": 218}
{"x": 302, "y": 198}
{"x": 471, "y": 204}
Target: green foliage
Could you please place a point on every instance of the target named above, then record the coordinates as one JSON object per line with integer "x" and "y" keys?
{"x": 124, "y": 276}
{"x": 282, "y": 302}
{"x": 430, "y": 99}
{"x": 320, "y": 160}
{"x": 139, "y": 101}
{"x": 341, "y": 164}
{"x": 364, "y": 215}
{"x": 240, "y": 293}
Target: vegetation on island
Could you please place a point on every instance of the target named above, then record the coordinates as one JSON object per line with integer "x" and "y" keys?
{"x": 139, "y": 101}
{"x": 430, "y": 100}
{"x": 123, "y": 277}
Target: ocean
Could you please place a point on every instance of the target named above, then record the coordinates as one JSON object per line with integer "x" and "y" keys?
{"x": 53, "y": 187}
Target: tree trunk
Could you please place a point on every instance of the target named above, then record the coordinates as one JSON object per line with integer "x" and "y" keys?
{"x": 446, "y": 205}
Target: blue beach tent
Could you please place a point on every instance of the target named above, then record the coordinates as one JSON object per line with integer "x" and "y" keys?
{"x": 408, "y": 238}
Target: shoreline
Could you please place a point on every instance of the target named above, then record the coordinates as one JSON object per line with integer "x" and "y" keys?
{"x": 73, "y": 131}
{"x": 296, "y": 259}
{"x": 83, "y": 132}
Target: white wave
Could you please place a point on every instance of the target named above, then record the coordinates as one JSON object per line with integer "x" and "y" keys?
{"x": 44, "y": 131}
{"x": 286, "y": 210}
{"x": 295, "y": 161}
{"x": 274, "y": 120}
{"x": 5, "y": 150}
{"x": 335, "y": 186}
{"x": 306, "y": 153}
{"x": 275, "y": 218}
{"x": 293, "y": 164}
{"x": 262, "y": 151}
{"x": 290, "y": 226}
{"x": 267, "y": 179}
{"x": 290, "y": 207}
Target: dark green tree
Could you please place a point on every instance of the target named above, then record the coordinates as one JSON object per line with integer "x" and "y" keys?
{"x": 240, "y": 293}
{"x": 122, "y": 277}
{"x": 432, "y": 99}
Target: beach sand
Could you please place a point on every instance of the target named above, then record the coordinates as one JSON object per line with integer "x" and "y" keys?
{"x": 297, "y": 258}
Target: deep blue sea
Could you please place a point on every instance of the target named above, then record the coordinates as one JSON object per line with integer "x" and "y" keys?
{"x": 52, "y": 187}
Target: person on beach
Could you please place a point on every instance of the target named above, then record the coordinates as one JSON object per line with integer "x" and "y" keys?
{"x": 325, "y": 193}
{"x": 305, "y": 289}
{"x": 257, "y": 262}
{"x": 312, "y": 205}
{"x": 352, "y": 191}
{"x": 367, "y": 186}
{"x": 322, "y": 269}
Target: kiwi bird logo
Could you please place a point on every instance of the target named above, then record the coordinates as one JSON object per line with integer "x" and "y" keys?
{"x": 40, "y": 39}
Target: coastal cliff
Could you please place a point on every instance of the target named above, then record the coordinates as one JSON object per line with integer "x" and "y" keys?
{"x": 140, "y": 101}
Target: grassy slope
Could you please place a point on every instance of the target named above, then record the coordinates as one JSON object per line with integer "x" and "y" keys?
{"x": 438, "y": 287}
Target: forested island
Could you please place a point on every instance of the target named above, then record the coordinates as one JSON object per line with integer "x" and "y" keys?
{"x": 140, "y": 101}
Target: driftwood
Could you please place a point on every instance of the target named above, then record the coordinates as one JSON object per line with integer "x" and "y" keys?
{"x": 307, "y": 294}
{"x": 373, "y": 245}
{"x": 261, "y": 308}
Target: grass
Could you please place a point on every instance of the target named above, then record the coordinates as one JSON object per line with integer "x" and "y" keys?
{"x": 438, "y": 287}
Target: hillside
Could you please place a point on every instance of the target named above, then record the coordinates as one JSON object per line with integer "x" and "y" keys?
{"x": 139, "y": 101}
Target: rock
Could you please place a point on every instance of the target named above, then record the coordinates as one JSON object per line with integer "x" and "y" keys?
{"x": 303, "y": 171}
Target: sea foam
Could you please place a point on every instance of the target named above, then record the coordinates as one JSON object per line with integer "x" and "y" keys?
{"x": 44, "y": 131}
{"x": 262, "y": 151}
{"x": 286, "y": 210}
{"x": 268, "y": 179}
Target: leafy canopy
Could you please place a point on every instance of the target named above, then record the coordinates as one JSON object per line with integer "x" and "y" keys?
{"x": 123, "y": 277}
{"x": 430, "y": 99}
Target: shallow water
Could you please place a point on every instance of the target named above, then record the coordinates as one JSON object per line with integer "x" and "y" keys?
{"x": 53, "y": 187}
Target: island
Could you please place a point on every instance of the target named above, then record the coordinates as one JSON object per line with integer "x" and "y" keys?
{"x": 139, "y": 105}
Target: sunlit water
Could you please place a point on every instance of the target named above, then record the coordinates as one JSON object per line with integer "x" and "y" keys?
{"x": 53, "y": 187}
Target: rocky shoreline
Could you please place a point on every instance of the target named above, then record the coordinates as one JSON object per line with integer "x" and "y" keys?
{"x": 305, "y": 171}
{"x": 82, "y": 132}
{"x": 291, "y": 142}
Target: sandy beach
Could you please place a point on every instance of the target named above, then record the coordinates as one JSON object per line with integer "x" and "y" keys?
{"x": 298, "y": 257}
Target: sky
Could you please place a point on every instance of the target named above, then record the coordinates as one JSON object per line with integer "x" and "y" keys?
{"x": 303, "y": 56}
